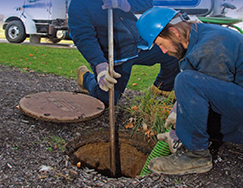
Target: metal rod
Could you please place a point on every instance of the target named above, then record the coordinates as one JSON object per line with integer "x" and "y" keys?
{"x": 111, "y": 97}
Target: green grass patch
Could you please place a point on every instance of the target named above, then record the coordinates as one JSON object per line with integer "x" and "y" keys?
{"x": 64, "y": 62}
{"x": 149, "y": 112}
{"x": 41, "y": 59}
{"x": 55, "y": 142}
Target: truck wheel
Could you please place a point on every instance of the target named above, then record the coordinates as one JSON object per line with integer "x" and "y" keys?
{"x": 15, "y": 32}
{"x": 53, "y": 40}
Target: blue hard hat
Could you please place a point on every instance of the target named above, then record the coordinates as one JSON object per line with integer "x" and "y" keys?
{"x": 153, "y": 21}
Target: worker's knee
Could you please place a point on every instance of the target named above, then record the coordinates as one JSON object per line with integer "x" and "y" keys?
{"x": 186, "y": 79}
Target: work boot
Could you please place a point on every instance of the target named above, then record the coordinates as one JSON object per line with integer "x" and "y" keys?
{"x": 157, "y": 91}
{"x": 182, "y": 162}
{"x": 80, "y": 74}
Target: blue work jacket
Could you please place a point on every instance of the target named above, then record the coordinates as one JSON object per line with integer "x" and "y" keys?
{"x": 88, "y": 24}
{"x": 215, "y": 51}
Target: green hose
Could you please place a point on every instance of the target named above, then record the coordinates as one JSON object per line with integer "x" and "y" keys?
{"x": 160, "y": 149}
{"x": 223, "y": 21}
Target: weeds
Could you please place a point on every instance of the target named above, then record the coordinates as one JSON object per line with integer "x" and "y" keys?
{"x": 55, "y": 142}
{"x": 148, "y": 113}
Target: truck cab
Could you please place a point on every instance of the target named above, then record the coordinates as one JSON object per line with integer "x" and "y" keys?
{"x": 37, "y": 19}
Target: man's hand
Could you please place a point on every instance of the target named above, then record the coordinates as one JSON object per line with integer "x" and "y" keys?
{"x": 121, "y": 4}
{"x": 171, "y": 119}
{"x": 104, "y": 79}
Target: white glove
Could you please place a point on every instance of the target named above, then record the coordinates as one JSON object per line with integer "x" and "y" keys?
{"x": 121, "y": 4}
{"x": 171, "y": 119}
{"x": 105, "y": 80}
{"x": 171, "y": 139}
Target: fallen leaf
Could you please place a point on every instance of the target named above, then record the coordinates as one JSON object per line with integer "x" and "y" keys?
{"x": 148, "y": 133}
{"x": 134, "y": 107}
{"x": 129, "y": 126}
{"x": 166, "y": 111}
{"x": 134, "y": 84}
{"x": 79, "y": 164}
{"x": 30, "y": 55}
{"x": 17, "y": 106}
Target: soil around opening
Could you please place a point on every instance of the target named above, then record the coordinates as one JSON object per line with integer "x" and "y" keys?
{"x": 30, "y": 154}
{"x": 97, "y": 156}
{"x": 94, "y": 152}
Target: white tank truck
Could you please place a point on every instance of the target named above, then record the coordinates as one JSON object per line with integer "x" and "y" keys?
{"x": 38, "y": 19}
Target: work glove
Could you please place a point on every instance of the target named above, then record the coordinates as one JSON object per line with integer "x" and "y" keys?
{"x": 170, "y": 137}
{"x": 105, "y": 80}
{"x": 156, "y": 91}
{"x": 171, "y": 119}
{"x": 121, "y": 4}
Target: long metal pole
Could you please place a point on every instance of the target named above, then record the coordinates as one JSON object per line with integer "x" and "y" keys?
{"x": 111, "y": 97}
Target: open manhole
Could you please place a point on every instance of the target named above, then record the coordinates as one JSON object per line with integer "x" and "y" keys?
{"x": 61, "y": 106}
{"x": 92, "y": 150}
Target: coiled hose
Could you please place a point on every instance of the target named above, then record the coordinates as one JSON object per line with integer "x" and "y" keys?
{"x": 160, "y": 149}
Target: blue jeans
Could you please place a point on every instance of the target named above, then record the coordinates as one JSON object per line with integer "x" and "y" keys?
{"x": 196, "y": 95}
{"x": 169, "y": 68}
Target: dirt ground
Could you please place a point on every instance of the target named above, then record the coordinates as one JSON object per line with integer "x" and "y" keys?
{"x": 29, "y": 159}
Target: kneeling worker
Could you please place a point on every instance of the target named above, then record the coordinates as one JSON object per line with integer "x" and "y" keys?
{"x": 211, "y": 78}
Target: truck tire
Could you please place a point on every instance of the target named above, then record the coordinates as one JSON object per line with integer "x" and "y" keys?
{"x": 15, "y": 32}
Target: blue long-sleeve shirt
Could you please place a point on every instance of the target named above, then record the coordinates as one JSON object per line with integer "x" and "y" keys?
{"x": 215, "y": 51}
{"x": 88, "y": 24}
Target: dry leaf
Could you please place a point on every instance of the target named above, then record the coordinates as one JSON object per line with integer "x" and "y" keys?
{"x": 134, "y": 84}
{"x": 134, "y": 107}
{"x": 79, "y": 164}
{"x": 129, "y": 126}
{"x": 148, "y": 133}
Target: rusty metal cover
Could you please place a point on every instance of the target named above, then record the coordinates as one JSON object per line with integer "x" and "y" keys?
{"x": 61, "y": 106}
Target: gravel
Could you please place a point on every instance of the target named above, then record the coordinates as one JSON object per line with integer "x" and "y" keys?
{"x": 29, "y": 158}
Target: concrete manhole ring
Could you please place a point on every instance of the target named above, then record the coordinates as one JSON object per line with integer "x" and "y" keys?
{"x": 61, "y": 106}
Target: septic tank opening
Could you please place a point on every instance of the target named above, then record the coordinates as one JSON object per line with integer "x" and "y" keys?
{"x": 94, "y": 153}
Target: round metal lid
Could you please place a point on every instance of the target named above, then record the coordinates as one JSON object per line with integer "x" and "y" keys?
{"x": 61, "y": 106}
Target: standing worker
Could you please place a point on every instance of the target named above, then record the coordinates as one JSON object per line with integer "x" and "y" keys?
{"x": 211, "y": 78}
{"x": 88, "y": 25}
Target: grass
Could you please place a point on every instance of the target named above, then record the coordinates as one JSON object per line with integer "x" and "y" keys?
{"x": 64, "y": 62}
{"x": 55, "y": 142}
{"x": 149, "y": 112}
